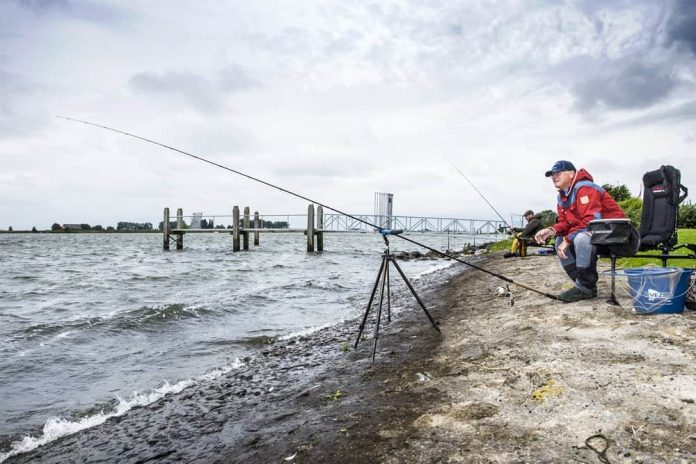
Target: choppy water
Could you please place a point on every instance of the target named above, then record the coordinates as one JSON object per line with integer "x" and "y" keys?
{"x": 94, "y": 324}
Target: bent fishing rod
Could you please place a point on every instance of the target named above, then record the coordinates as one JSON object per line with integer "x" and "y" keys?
{"x": 289, "y": 192}
{"x": 479, "y": 192}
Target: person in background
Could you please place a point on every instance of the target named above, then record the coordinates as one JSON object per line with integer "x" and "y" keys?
{"x": 523, "y": 236}
{"x": 580, "y": 201}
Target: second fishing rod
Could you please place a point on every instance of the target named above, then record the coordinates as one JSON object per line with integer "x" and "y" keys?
{"x": 290, "y": 192}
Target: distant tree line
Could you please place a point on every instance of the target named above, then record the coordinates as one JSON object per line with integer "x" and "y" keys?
{"x": 136, "y": 226}
{"x": 120, "y": 227}
{"x": 274, "y": 224}
{"x": 633, "y": 207}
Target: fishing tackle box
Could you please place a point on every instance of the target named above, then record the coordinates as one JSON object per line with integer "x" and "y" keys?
{"x": 618, "y": 235}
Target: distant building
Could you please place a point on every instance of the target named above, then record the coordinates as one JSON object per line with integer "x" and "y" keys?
{"x": 196, "y": 220}
{"x": 72, "y": 227}
{"x": 384, "y": 203}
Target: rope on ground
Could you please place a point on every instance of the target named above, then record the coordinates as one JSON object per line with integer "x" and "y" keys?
{"x": 601, "y": 453}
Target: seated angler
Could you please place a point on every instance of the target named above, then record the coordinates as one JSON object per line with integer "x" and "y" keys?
{"x": 579, "y": 202}
{"x": 524, "y": 236}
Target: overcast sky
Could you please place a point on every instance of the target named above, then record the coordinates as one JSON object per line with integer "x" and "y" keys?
{"x": 336, "y": 100}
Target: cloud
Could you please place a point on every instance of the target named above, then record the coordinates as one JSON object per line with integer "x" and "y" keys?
{"x": 205, "y": 95}
{"x": 682, "y": 112}
{"x": 681, "y": 28}
{"x": 631, "y": 86}
{"x": 86, "y": 11}
{"x": 41, "y": 6}
{"x": 17, "y": 115}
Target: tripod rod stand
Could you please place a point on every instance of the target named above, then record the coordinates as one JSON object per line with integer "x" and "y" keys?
{"x": 383, "y": 279}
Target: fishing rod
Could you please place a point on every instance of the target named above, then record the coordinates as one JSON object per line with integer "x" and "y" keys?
{"x": 479, "y": 192}
{"x": 289, "y": 192}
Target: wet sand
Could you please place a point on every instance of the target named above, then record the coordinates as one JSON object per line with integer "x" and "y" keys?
{"x": 529, "y": 382}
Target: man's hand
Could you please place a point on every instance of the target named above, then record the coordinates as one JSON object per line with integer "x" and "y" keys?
{"x": 543, "y": 235}
{"x": 561, "y": 250}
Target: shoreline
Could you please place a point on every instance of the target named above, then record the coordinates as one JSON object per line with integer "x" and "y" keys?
{"x": 303, "y": 355}
{"x": 530, "y": 382}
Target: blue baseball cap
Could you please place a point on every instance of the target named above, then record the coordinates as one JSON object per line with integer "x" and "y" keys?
{"x": 561, "y": 166}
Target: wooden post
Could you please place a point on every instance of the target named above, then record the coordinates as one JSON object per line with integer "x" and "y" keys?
{"x": 257, "y": 225}
{"x": 320, "y": 228}
{"x": 235, "y": 228}
{"x": 310, "y": 228}
{"x": 165, "y": 229}
{"x": 180, "y": 225}
{"x": 245, "y": 235}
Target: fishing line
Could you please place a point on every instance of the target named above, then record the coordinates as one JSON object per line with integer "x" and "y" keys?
{"x": 289, "y": 192}
{"x": 479, "y": 192}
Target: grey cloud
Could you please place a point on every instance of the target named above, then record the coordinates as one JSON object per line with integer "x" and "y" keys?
{"x": 40, "y": 6}
{"x": 202, "y": 94}
{"x": 631, "y": 86}
{"x": 191, "y": 88}
{"x": 684, "y": 112}
{"x": 681, "y": 28}
{"x": 17, "y": 116}
{"x": 235, "y": 78}
{"x": 86, "y": 11}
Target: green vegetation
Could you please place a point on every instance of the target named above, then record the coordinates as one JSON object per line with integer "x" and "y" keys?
{"x": 344, "y": 347}
{"x": 335, "y": 395}
{"x": 618, "y": 192}
{"x": 687, "y": 215}
{"x": 501, "y": 245}
{"x": 685, "y": 236}
{"x": 633, "y": 207}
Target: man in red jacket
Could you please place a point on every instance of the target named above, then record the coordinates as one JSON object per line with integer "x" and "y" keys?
{"x": 579, "y": 201}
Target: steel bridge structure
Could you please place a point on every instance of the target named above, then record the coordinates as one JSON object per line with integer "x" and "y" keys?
{"x": 437, "y": 225}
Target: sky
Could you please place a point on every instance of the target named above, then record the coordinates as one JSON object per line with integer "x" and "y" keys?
{"x": 335, "y": 100}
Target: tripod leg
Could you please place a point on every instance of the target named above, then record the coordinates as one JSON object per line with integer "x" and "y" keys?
{"x": 410, "y": 287}
{"x": 372, "y": 296}
{"x": 379, "y": 311}
{"x": 385, "y": 274}
{"x": 388, "y": 297}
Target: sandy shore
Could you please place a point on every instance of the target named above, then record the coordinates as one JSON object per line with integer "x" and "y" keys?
{"x": 531, "y": 382}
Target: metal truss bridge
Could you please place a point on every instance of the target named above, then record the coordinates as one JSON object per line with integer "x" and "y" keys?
{"x": 339, "y": 222}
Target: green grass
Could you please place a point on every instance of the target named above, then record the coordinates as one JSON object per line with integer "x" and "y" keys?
{"x": 685, "y": 236}
{"x": 501, "y": 245}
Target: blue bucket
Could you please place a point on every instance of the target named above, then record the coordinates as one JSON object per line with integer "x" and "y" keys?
{"x": 658, "y": 290}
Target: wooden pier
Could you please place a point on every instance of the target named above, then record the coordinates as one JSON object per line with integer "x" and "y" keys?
{"x": 241, "y": 229}
{"x": 318, "y": 224}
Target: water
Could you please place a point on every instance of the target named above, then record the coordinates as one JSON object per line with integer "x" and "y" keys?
{"x": 93, "y": 324}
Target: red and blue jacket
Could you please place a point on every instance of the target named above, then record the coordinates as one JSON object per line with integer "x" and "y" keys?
{"x": 584, "y": 201}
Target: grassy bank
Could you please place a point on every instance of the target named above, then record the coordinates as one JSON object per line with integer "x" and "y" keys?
{"x": 685, "y": 236}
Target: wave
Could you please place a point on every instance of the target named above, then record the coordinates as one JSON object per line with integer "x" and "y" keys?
{"x": 154, "y": 315}
{"x": 25, "y": 277}
{"x": 58, "y": 427}
{"x": 256, "y": 341}
{"x": 143, "y": 318}
{"x": 315, "y": 285}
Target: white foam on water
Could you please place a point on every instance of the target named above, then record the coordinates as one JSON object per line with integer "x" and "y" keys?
{"x": 305, "y": 332}
{"x": 57, "y": 427}
{"x": 439, "y": 266}
{"x": 65, "y": 334}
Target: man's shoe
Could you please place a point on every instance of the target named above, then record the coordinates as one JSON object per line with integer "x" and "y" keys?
{"x": 509, "y": 255}
{"x": 575, "y": 294}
